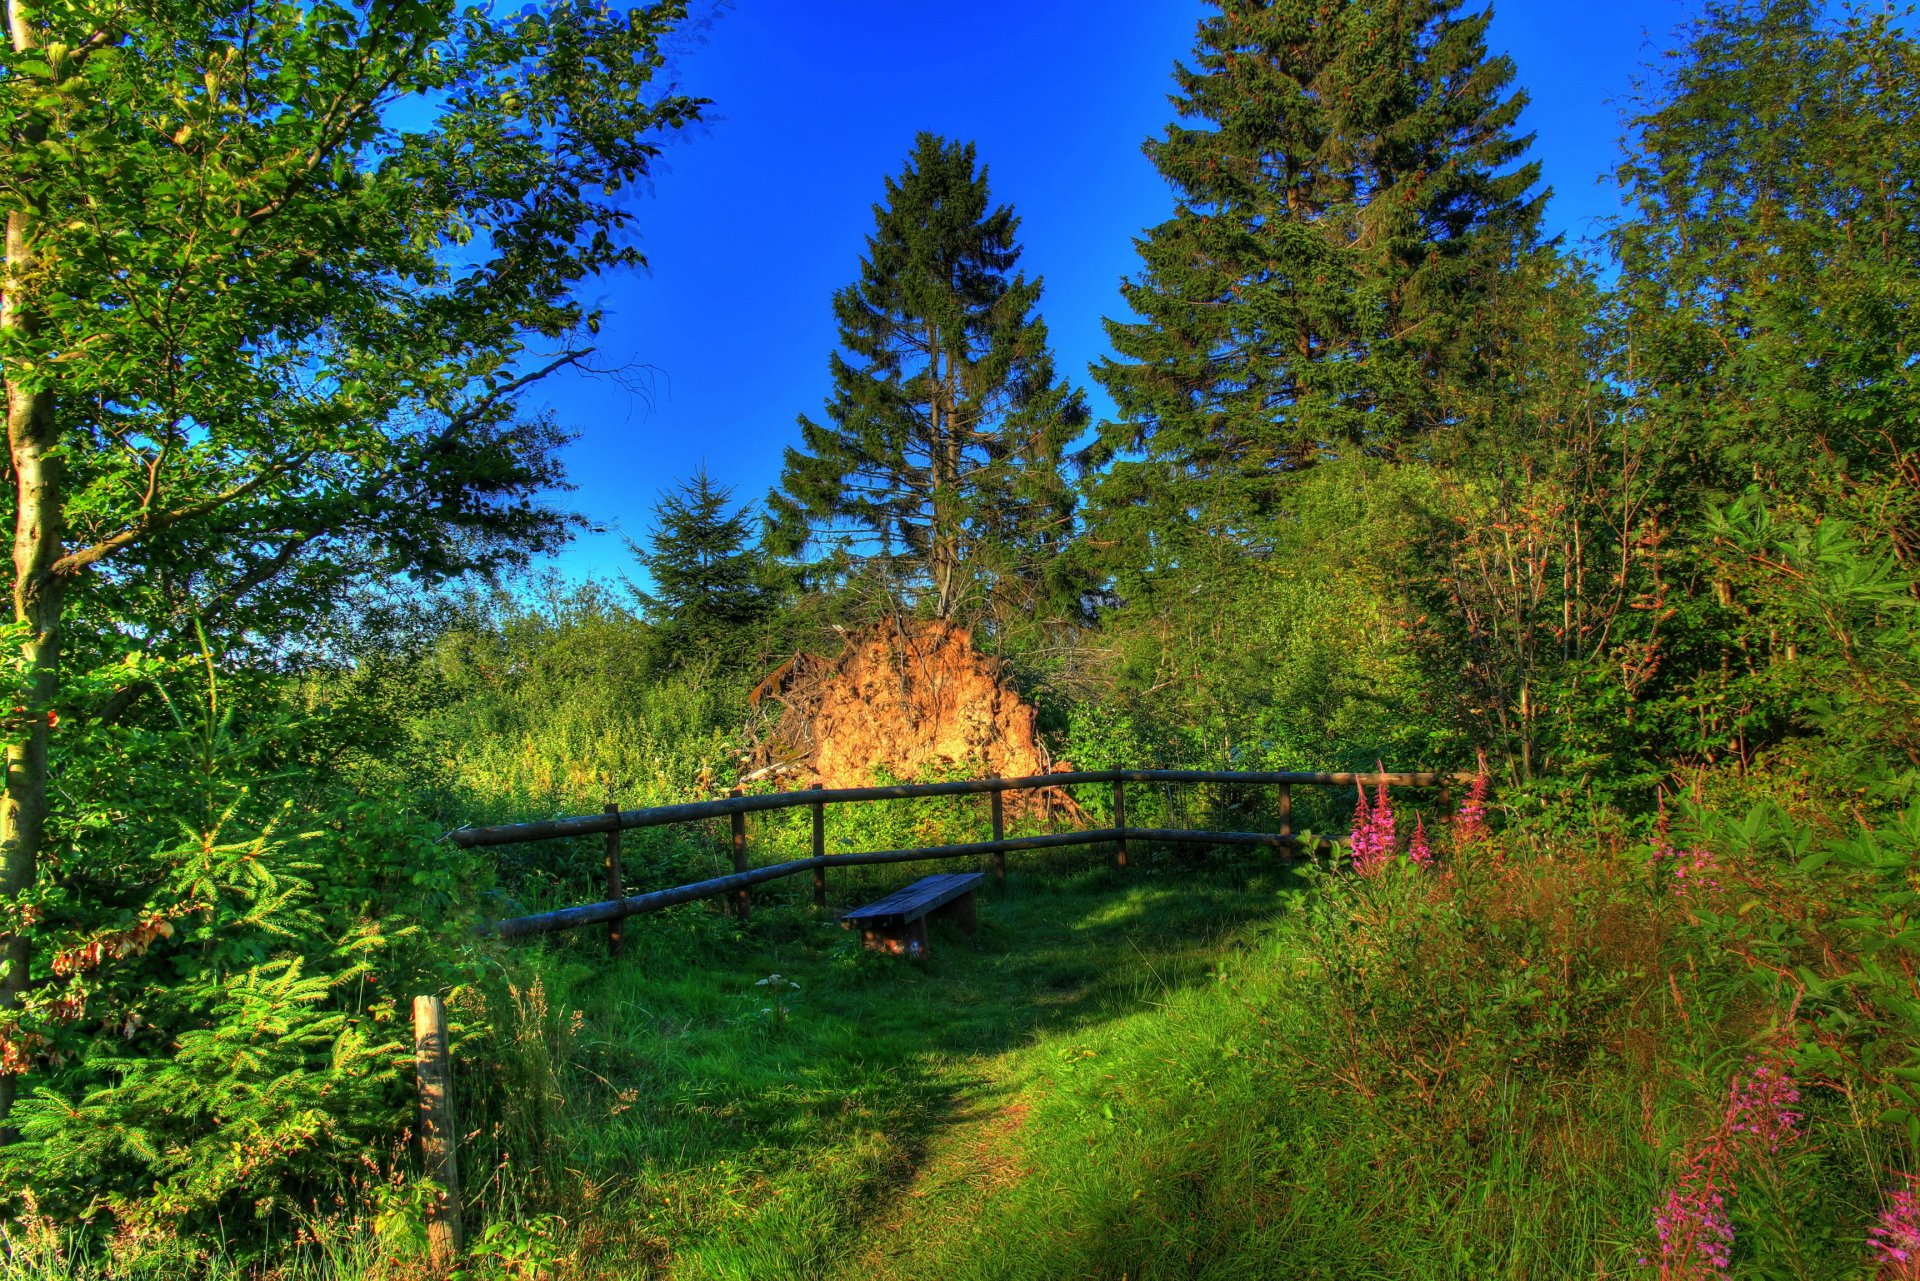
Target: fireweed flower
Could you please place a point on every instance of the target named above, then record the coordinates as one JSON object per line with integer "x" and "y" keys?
{"x": 1693, "y": 871}
{"x": 1696, "y": 1237}
{"x": 1470, "y": 824}
{"x": 1417, "y": 848}
{"x": 1762, "y": 1105}
{"x": 1372, "y": 840}
{"x": 1896, "y": 1237}
{"x": 1383, "y": 824}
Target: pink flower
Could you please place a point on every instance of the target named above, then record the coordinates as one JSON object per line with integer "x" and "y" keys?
{"x": 1762, "y": 1105}
{"x": 1896, "y": 1238}
{"x": 1693, "y": 872}
{"x": 1417, "y": 849}
{"x": 1383, "y": 822}
{"x": 1696, "y": 1237}
{"x": 1372, "y": 841}
{"x": 1470, "y": 824}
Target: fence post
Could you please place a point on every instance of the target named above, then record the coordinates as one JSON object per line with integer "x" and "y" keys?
{"x": 740, "y": 896}
{"x": 1120, "y": 821}
{"x": 999, "y": 834}
{"x": 1286, "y": 809}
{"x": 438, "y": 1128}
{"x": 819, "y": 849}
{"x": 616, "y": 881}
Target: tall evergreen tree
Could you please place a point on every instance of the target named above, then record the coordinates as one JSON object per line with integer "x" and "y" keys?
{"x": 707, "y": 580}
{"x": 1348, "y": 189}
{"x": 941, "y": 456}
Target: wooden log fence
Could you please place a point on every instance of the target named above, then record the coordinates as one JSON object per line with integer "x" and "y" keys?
{"x": 736, "y": 806}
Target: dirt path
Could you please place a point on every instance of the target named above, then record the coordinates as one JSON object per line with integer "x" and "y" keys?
{"x": 964, "y": 1169}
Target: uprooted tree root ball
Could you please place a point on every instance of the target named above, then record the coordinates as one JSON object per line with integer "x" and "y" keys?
{"x": 904, "y": 698}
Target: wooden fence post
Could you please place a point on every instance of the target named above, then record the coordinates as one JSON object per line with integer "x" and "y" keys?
{"x": 740, "y": 896}
{"x": 438, "y": 1128}
{"x": 1286, "y": 809}
{"x": 819, "y": 849}
{"x": 999, "y": 834}
{"x": 616, "y": 881}
{"x": 1120, "y": 821}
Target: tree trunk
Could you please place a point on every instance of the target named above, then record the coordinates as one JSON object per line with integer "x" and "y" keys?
{"x": 37, "y": 597}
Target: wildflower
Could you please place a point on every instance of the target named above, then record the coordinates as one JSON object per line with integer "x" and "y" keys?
{"x": 1383, "y": 825}
{"x": 1693, "y": 871}
{"x": 1417, "y": 848}
{"x": 1372, "y": 841}
{"x": 1470, "y": 824}
{"x": 1762, "y": 1103}
{"x": 1896, "y": 1237}
{"x": 1696, "y": 1237}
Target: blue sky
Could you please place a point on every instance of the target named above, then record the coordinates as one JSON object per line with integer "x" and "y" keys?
{"x": 755, "y": 219}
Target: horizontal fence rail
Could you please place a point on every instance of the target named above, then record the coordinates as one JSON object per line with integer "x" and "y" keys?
{"x": 589, "y": 824}
{"x": 619, "y": 906}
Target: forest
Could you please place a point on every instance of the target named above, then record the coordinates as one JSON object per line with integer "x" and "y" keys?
{"x": 1628, "y": 531}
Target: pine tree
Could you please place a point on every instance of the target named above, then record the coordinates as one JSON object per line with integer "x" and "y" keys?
{"x": 940, "y": 460}
{"x": 707, "y": 581}
{"x": 1347, "y": 192}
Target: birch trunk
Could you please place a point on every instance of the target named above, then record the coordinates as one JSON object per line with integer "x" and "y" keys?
{"x": 36, "y": 602}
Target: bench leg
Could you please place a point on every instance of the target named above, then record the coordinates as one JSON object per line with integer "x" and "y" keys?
{"x": 962, "y": 912}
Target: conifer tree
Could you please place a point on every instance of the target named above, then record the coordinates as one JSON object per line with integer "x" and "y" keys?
{"x": 940, "y": 457}
{"x": 1348, "y": 189}
{"x": 707, "y": 584}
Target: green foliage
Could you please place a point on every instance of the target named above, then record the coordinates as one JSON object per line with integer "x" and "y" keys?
{"x": 709, "y": 589}
{"x": 941, "y": 461}
{"x": 1347, "y": 199}
{"x": 219, "y": 1031}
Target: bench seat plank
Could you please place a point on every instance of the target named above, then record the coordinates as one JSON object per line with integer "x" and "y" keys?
{"x": 907, "y": 905}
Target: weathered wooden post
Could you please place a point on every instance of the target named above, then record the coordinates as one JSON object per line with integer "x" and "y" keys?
{"x": 1120, "y": 821}
{"x": 1286, "y": 809}
{"x": 740, "y": 896}
{"x": 616, "y": 881}
{"x": 438, "y": 1128}
{"x": 819, "y": 849}
{"x": 999, "y": 834}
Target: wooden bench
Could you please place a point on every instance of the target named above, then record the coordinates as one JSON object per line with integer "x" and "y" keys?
{"x": 898, "y": 922}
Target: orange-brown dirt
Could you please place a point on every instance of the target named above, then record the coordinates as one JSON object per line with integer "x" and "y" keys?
{"x": 905, "y": 698}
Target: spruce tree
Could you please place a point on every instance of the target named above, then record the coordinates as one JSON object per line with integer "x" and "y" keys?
{"x": 1348, "y": 191}
{"x": 707, "y": 581}
{"x": 940, "y": 458}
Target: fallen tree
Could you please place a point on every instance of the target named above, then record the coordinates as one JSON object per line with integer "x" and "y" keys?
{"x": 904, "y": 698}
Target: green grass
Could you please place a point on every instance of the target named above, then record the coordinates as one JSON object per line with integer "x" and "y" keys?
{"x": 724, "y": 1141}
{"x": 1200, "y": 1067}
{"x": 1195, "y": 1068}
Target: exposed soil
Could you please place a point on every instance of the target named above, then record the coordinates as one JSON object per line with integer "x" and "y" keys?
{"x": 905, "y": 698}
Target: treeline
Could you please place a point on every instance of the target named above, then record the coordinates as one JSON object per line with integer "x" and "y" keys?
{"x": 1394, "y": 471}
{"x": 1394, "y": 475}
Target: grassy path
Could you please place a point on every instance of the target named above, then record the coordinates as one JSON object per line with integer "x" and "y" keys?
{"x": 861, "y": 1124}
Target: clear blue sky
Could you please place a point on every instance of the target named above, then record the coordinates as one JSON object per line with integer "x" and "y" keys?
{"x": 756, "y": 219}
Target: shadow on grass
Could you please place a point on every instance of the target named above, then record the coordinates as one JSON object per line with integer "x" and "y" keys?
{"x": 745, "y": 1129}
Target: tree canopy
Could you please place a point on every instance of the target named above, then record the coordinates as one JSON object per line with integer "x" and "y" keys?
{"x": 941, "y": 458}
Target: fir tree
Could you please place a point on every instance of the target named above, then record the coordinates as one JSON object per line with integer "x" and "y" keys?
{"x": 1347, "y": 192}
{"x": 940, "y": 460}
{"x": 707, "y": 581}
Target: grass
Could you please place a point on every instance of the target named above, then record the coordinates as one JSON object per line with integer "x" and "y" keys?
{"x": 745, "y": 1140}
{"x": 1200, "y": 1067}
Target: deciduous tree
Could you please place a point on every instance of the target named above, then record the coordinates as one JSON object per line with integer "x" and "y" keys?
{"x": 274, "y": 274}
